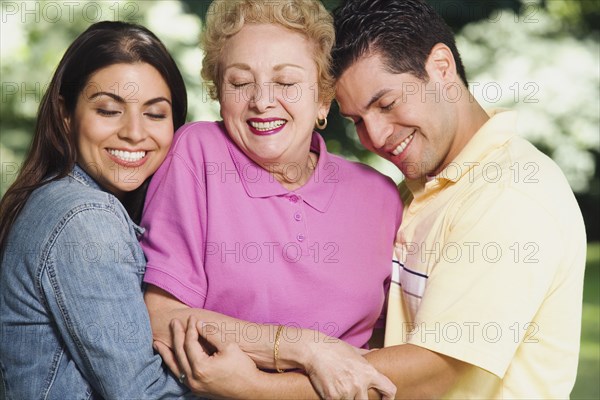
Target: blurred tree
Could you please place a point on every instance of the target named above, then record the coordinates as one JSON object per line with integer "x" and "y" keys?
{"x": 541, "y": 39}
{"x": 549, "y": 43}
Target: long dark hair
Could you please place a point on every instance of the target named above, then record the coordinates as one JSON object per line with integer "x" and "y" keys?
{"x": 53, "y": 152}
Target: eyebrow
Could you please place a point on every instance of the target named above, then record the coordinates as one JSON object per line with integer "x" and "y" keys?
{"x": 278, "y": 67}
{"x": 121, "y": 100}
{"x": 377, "y": 96}
{"x": 373, "y": 99}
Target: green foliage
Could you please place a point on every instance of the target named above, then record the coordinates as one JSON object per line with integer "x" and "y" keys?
{"x": 587, "y": 385}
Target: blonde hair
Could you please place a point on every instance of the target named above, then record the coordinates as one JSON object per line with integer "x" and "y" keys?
{"x": 225, "y": 18}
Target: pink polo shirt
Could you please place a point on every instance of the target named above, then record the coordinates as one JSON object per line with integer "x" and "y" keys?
{"x": 224, "y": 235}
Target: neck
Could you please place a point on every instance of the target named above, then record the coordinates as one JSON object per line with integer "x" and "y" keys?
{"x": 475, "y": 118}
{"x": 293, "y": 175}
{"x": 470, "y": 117}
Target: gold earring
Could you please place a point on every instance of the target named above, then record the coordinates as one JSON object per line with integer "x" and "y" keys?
{"x": 321, "y": 123}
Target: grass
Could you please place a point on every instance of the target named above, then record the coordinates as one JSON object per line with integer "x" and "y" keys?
{"x": 588, "y": 383}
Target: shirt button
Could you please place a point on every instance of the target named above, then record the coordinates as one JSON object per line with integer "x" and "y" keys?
{"x": 300, "y": 237}
{"x": 298, "y": 216}
{"x": 294, "y": 198}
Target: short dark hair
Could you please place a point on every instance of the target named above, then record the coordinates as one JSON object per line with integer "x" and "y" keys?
{"x": 402, "y": 32}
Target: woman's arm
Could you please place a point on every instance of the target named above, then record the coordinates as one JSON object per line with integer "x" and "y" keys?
{"x": 256, "y": 340}
{"x": 91, "y": 284}
{"x": 229, "y": 373}
{"x": 334, "y": 367}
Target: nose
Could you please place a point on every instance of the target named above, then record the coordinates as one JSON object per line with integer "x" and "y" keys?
{"x": 132, "y": 130}
{"x": 378, "y": 130}
{"x": 263, "y": 97}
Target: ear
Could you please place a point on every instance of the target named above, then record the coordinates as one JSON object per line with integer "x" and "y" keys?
{"x": 440, "y": 64}
{"x": 324, "y": 109}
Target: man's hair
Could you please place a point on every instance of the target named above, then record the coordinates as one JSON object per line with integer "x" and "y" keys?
{"x": 402, "y": 32}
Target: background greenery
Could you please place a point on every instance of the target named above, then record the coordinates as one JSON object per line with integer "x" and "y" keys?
{"x": 539, "y": 57}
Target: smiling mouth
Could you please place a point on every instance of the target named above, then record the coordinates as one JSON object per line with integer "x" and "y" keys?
{"x": 267, "y": 126}
{"x": 402, "y": 146}
{"x": 127, "y": 156}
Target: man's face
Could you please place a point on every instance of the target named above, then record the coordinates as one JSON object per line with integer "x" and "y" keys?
{"x": 405, "y": 120}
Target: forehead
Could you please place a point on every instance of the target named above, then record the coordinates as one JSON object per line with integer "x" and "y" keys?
{"x": 130, "y": 81}
{"x": 365, "y": 79}
{"x": 125, "y": 72}
{"x": 267, "y": 44}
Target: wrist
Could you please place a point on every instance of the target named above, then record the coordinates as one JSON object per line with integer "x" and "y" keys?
{"x": 300, "y": 348}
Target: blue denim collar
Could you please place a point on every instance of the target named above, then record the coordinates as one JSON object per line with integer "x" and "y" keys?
{"x": 81, "y": 176}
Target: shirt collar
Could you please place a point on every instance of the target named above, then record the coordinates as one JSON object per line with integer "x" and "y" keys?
{"x": 493, "y": 134}
{"x": 317, "y": 192}
{"x": 82, "y": 177}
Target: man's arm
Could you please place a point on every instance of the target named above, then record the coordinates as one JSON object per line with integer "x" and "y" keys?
{"x": 418, "y": 373}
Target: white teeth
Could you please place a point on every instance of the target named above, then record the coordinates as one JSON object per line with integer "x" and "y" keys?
{"x": 128, "y": 156}
{"x": 267, "y": 126}
{"x": 398, "y": 150}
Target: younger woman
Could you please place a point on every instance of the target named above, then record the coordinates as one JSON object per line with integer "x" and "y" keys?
{"x": 73, "y": 320}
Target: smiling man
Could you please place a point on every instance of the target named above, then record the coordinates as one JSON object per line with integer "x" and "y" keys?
{"x": 487, "y": 290}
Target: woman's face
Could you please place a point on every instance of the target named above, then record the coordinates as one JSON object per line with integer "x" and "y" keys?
{"x": 123, "y": 125}
{"x": 269, "y": 94}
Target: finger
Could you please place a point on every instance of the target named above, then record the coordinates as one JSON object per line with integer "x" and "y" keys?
{"x": 178, "y": 334}
{"x": 196, "y": 355}
{"x": 363, "y": 394}
{"x": 317, "y": 384}
{"x": 212, "y": 334}
{"x": 383, "y": 385}
{"x": 168, "y": 357}
{"x": 335, "y": 391}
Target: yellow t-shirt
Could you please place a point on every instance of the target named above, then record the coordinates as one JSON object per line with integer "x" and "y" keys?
{"x": 490, "y": 270}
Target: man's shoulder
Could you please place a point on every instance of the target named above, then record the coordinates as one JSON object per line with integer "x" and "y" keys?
{"x": 521, "y": 180}
{"x": 528, "y": 170}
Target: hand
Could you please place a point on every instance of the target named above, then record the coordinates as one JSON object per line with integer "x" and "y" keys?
{"x": 228, "y": 372}
{"x": 338, "y": 371}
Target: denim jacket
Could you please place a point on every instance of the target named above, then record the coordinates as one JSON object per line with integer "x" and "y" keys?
{"x": 73, "y": 324}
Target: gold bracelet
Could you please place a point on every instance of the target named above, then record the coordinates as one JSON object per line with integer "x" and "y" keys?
{"x": 276, "y": 348}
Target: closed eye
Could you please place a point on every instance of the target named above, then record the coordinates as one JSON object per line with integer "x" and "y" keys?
{"x": 156, "y": 116}
{"x": 240, "y": 85}
{"x": 390, "y": 106}
{"x": 106, "y": 113}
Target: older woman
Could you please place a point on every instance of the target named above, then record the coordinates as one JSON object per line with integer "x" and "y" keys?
{"x": 252, "y": 218}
